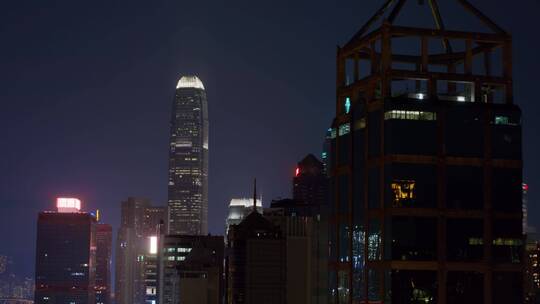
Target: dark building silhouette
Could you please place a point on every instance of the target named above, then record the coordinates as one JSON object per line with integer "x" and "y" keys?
{"x": 191, "y": 269}
{"x": 103, "y": 263}
{"x": 310, "y": 184}
{"x": 532, "y": 271}
{"x": 256, "y": 262}
{"x": 306, "y": 244}
{"x": 426, "y": 165}
{"x": 139, "y": 222}
{"x": 188, "y": 159}
{"x": 65, "y": 255}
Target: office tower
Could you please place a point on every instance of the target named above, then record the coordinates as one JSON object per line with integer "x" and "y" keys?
{"x": 310, "y": 185}
{"x": 256, "y": 262}
{"x": 103, "y": 263}
{"x": 65, "y": 254}
{"x": 191, "y": 269}
{"x": 239, "y": 208}
{"x": 427, "y": 171}
{"x": 139, "y": 221}
{"x": 305, "y": 229}
{"x": 188, "y": 159}
{"x": 310, "y": 199}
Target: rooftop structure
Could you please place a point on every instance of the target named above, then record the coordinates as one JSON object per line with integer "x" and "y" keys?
{"x": 425, "y": 162}
{"x": 190, "y": 82}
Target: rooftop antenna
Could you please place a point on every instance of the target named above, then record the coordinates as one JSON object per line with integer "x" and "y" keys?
{"x": 255, "y": 195}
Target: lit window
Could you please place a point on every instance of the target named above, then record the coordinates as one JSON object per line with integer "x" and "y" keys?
{"x": 507, "y": 242}
{"x": 504, "y": 121}
{"x": 332, "y": 133}
{"x": 360, "y": 124}
{"x": 410, "y": 115}
{"x": 501, "y": 120}
{"x": 344, "y": 129}
{"x": 476, "y": 241}
{"x": 403, "y": 192}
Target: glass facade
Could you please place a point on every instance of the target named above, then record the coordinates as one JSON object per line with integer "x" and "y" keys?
{"x": 413, "y": 239}
{"x": 465, "y": 240}
{"x": 411, "y": 186}
{"x": 465, "y": 287}
{"x": 435, "y": 207}
{"x": 188, "y": 159}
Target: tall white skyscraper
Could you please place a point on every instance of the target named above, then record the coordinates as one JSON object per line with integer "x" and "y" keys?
{"x": 188, "y": 159}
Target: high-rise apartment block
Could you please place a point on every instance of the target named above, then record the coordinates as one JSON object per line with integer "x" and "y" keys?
{"x": 140, "y": 221}
{"x": 426, "y": 165}
{"x": 65, "y": 255}
{"x": 188, "y": 159}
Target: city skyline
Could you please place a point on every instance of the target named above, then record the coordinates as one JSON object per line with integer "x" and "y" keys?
{"x": 244, "y": 111}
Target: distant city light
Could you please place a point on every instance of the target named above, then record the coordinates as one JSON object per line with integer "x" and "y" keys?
{"x": 68, "y": 204}
{"x": 153, "y": 245}
{"x": 461, "y": 99}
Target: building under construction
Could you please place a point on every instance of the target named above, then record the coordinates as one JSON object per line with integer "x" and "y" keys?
{"x": 425, "y": 164}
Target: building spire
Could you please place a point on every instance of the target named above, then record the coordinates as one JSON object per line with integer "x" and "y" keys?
{"x": 255, "y": 195}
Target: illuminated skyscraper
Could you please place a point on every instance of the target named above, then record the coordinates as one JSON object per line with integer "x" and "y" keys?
{"x": 65, "y": 255}
{"x": 188, "y": 159}
{"x": 426, "y": 165}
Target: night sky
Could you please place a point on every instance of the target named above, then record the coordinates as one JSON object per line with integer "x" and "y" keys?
{"x": 86, "y": 90}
